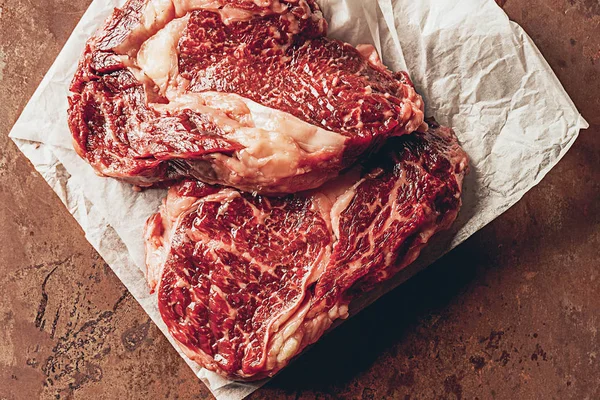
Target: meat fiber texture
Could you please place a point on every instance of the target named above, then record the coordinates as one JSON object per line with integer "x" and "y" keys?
{"x": 478, "y": 73}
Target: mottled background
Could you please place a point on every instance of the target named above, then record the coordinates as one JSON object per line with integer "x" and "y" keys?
{"x": 513, "y": 313}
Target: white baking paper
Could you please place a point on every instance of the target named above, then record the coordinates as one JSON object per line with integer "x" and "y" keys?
{"x": 478, "y": 72}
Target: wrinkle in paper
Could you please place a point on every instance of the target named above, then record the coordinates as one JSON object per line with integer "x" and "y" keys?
{"x": 478, "y": 72}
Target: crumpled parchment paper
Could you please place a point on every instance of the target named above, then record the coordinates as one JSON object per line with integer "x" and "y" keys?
{"x": 478, "y": 72}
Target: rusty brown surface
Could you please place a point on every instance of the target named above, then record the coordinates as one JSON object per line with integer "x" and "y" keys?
{"x": 514, "y": 313}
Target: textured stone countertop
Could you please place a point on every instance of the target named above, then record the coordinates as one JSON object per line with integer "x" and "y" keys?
{"x": 514, "y": 313}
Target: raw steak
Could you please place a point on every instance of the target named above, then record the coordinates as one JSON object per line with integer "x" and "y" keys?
{"x": 246, "y": 282}
{"x": 243, "y": 93}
